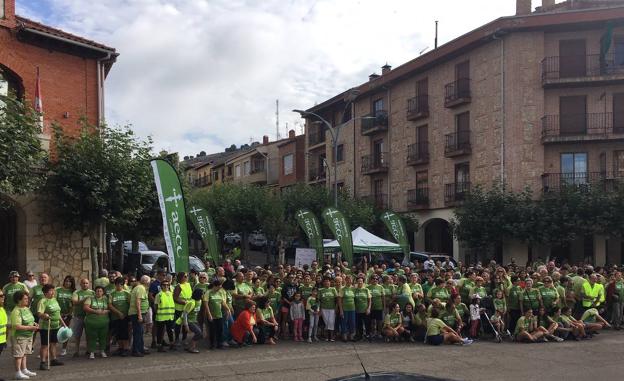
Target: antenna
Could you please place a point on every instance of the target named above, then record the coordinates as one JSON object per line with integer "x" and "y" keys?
{"x": 277, "y": 134}
{"x": 424, "y": 50}
{"x": 436, "y": 35}
{"x": 287, "y": 130}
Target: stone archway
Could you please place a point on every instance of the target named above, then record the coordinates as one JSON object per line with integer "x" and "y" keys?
{"x": 12, "y": 238}
{"x": 438, "y": 237}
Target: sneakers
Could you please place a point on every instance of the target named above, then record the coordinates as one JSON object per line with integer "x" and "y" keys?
{"x": 63, "y": 352}
{"x": 310, "y": 340}
{"x": 56, "y": 362}
{"x": 466, "y": 341}
{"x": 21, "y": 376}
{"x": 557, "y": 339}
{"x": 225, "y": 344}
{"x": 28, "y": 373}
{"x": 43, "y": 366}
{"x": 104, "y": 355}
{"x": 91, "y": 356}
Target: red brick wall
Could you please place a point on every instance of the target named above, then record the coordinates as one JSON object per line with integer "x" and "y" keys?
{"x": 295, "y": 146}
{"x": 68, "y": 82}
{"x": 9, "y": 14}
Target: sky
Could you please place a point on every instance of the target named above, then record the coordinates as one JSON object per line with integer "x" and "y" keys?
{"x": 200, "y": 75}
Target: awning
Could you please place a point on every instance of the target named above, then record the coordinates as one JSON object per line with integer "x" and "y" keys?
{"x": 366, "y": 242}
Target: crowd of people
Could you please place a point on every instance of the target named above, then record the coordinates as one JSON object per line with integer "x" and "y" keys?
{"x": 234, "y": 306}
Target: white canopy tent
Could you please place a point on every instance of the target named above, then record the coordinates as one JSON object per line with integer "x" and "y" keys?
{"x": 366, "y": 242}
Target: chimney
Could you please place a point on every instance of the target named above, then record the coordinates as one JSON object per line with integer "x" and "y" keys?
{"x": 265, "y": 139}
{"x": 385, "y": 69}
{"x": 291, "y": 134}
{"x": 523, "y": 7}
{"x": 547, "y": 4}
{"x": 373, "y": 76}
{"x": 7, "y": 14}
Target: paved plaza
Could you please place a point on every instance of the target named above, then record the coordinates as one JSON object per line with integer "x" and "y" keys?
{"x": 598, "y": 359}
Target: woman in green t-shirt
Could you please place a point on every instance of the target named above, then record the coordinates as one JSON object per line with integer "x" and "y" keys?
{"x": 346, "y": 304}
{"x": 119, "y": 304}
{"x": 393, "y": 323}
{"x": 49, "y": 312}
{"x": 527, "y": 329}
{"x": 265, "y": 321}
{"x": 327, "y": 299}
{"x": 23, "y": 327}
{"x": 64, "y": 298}
{"x": 96, "y": 322}
{"x": 440, "y": 333}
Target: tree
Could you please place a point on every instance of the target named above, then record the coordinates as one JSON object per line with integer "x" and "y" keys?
{"x": 22, "y": 157}
{"x": 102, "y": 176}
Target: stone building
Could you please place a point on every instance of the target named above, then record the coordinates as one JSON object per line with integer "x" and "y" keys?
{"x": 531, "y": 99}
{"x": 72, "y": 73}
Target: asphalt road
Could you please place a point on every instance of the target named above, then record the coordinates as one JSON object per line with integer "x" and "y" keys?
{"x": 599, "y": 358}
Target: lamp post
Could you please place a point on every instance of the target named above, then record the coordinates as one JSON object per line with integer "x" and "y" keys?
{"x": 335, "y": 133}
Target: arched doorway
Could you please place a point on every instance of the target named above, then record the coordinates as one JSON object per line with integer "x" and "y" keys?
{"x": 438, "y": 237}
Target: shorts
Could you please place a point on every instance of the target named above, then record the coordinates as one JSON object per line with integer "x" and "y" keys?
{"x": 147, "y": 317}
{"x": 77, "y": 325}
{"x": 120, "y": 329}
{"x": 329, "y": 318}
{"x": 21, "y": 346}
{"x": 435, "y": 339}
{"x": 376, "y": 315}
{"x": 44, "y": 336}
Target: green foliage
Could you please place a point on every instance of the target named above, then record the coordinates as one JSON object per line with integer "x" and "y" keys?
{"x": 490, "y": 216}
{"x": 23, "y": 160}
{"x": 102, "y": 175}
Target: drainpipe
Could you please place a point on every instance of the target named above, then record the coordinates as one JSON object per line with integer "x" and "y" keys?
{"x": 389, "y": 94}
{"x": 502, "y": 100}
{"x": 100, "y": 84}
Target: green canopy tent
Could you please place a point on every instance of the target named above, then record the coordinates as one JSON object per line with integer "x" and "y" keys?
{"x": 366, "y": 242}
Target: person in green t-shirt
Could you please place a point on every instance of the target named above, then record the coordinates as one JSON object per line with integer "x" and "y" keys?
{"x": 440, "y": 333}
{"x": 11, "y": 288}
{"x": 327, "y": 298}
{"x": 96, "y": 322}
{"x": 265, "y": 321}
{"x": 363, "y": 302}
{"x": 64, "y": 298}
{"x": 119, "y": 304}
{"x": 617, "y": 301}
{"x": 313, "y": 309}
{"x": 593, "y": 321}
{"x": 527, "y": 329}
{"x": 378, "y": 305}
{"x": 36, "y": 294}
{"x": 23, "y": 327}
{"x": 216, "y": 307}
{"x": 532, "y": 299}
{"x": 549, "y": 294}
{"x": 78, "y": 298}
{"x": 49, "y": 313}
{"x": 404, "y": 293}
{"x": 439, "y": 291}
{"x": 346, "y": 305}
{"x": 393, "y": 323}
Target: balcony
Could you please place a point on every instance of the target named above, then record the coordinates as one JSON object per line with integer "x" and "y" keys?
{"x": 580, "y": 127}
{"x": 379, "y": 200}
{"x": 372, "y": 164}
{"x": 316, "y": 175}
{"x": 455, "y": 193}
{"x": 457, "y": 144}
{"x": 378, "y": 124}
{"x": 457, "y": 93}
{"x": 418, "y": 153}
{"x": 316, "y": 138}
{"x": 418, "y": 107}
{"x": 585, "y": 181}
{"x": 582, "y": 70}
{"x": 418, "y": 198}
{"x": 202, "y": 182}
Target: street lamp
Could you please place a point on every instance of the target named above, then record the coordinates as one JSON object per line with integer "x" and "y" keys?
{"x": 335, "y": 133}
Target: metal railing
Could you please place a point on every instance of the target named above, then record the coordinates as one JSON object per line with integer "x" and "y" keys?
{"x": 379, "y": 120}
{"x": 581, "y": 66}
{"x": 375, "y": 162}
{"x": 316, "y": 174}
{"x": 457, "y": 141}
{"x": 379, "y": 200}
{"x": 580, "y": 124}
{"x": 555, "y": 182}
{"x": 456, "y": 192}
{"x": 418, "y": 152}
{"x": 418, "y": 198}
{"x": 316, "y": 137}
{"x": 418, "y": 105}
{"x": 202, "y": 181}
{"x": 458, "y": 89}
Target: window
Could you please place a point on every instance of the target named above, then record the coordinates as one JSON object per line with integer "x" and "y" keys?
{"x": 462, "y": 173}
{"x": 340, "y": 153}
{"x": 574, "y": 168}
{"x": 288, "y": 164}
{"x": 618, "y": 51}
{"x": 9, "y": 84}
{"x": 378, "y": 187}
{"x": 378, "y": 106}
{"x": 216, "y": 175}
{"x": 572, "y": 60}
{"x": 237, "y": 171}
{"x": 618, "y": 164}
{"x": 618, "y": 113}
{"x": 2, "y": 9}
{"x": 229, "y": 170}
{"x": 246, "y": 168}
{"x": 572, "y": 115}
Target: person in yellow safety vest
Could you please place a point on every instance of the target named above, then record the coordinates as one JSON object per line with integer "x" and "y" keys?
{"x": 165, "y": 310}
{"x": 3, "y": 323}
{"x": 593, "y": 293}
{"x": 181, "y": 295}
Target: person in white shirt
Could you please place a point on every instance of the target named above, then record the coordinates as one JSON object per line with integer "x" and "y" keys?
{"x": 30, "y": 281}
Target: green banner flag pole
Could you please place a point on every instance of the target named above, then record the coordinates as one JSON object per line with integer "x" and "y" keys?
{"x": 396, "y": 226}
{"x": 174, "y": 215}
{"x": 205, "y": 226}
{"x": 339, "y": 226}
{"x": 310, "y": 225}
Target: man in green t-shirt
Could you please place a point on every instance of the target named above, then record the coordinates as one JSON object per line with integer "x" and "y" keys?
{"x": 11, "y": 288}
{"x": 137, "y": 311}
{"x": 78, "y": 298}
{"x": 617, "y": 301}
{"x": 49, "y": 312}
{"x": 363, "y": 303}
{"x": 215, "y": 305}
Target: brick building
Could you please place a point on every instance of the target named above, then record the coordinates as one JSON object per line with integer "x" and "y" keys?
{"x": 291, "y": 160}
{"x": 72, "y": 73}
{"x": 529, "y": 99}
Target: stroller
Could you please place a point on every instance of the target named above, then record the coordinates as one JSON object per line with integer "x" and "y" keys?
{"x": 498, "y": 336}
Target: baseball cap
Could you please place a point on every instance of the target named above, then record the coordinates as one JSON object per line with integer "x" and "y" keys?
{"x": 14, "y": 273}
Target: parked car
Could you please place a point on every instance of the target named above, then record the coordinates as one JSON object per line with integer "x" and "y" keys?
{"x": 257, "y": 239}
{"x": 151, "y": 260}
{"x": 163, "y": 262}
{"x": 232, "y": 238}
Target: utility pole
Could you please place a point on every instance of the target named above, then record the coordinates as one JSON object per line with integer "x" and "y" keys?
{"x": 277, "y": 133}
{"x": 436, "y": 35}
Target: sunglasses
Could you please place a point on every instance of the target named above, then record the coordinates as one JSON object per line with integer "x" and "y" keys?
{"x": 1, "y": 295}
{"x": 165, "y": 284}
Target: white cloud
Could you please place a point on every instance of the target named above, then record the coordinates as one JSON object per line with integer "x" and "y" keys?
{"x": 203, "y": 74}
